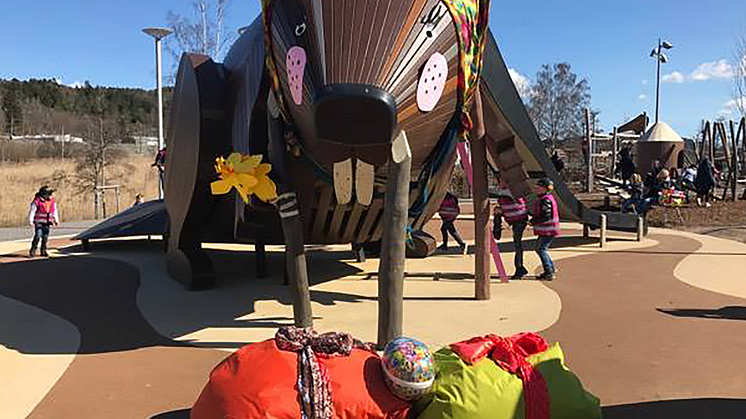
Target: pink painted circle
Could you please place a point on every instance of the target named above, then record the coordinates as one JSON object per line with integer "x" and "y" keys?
{"x": 432, "y": 82}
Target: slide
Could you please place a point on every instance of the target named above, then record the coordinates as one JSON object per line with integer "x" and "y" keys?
{"x": 146, "y": 219}
{"x": 515, "y": 147}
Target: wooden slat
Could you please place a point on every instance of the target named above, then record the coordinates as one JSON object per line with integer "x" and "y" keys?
{"x": 352, "y": 222}
{"x": 322, "y": 212}
{"x": 339, "y": 214}
{"x": 370, "y": 218}
{"x": 378, "y": 232}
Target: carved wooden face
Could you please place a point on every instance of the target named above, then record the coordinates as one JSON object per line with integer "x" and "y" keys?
{"x": 353, "y": 73}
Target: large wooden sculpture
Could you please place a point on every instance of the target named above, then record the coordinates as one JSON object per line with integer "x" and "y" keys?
{"x": 358, "y": 106}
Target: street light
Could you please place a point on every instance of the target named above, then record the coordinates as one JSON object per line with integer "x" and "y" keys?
{"x": 158, "y": 34}
{"x": 661, "y": 58}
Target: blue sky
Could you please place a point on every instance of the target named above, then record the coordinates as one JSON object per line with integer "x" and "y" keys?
{"x": 607, "y": 42}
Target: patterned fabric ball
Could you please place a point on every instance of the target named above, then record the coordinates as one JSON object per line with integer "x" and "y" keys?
{"x": 408, "y": 368}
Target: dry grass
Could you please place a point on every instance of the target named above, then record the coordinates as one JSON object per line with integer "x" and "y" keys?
{"x": 19, "y": 182}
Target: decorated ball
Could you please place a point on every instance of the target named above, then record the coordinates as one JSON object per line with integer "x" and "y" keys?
{"x": 408, "y": 368}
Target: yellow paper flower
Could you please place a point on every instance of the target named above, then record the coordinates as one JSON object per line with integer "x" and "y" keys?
{"x": 245, "y": 173}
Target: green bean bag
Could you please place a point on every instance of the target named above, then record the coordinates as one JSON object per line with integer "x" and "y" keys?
{"x": 484, "y": 390}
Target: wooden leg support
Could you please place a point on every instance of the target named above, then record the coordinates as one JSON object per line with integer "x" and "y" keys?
{"x": 481, "y": 219}
{"x": 295, "y": 259}
{"x": 603, "y": 231}
{"x": 393, "y": 245}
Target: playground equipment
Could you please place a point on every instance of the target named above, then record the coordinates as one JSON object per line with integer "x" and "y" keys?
{"x": 362, "y": 141}
{"x": 721, "y": 145}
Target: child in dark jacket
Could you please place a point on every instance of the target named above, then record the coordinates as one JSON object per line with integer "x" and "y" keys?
{"x": 546, "y": 225}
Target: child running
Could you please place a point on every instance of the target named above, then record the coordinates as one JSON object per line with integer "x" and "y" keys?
{"x": 42, "y": 214}
{"x": 546, "y": 225}
{"x": 516, "y": 215}
{"x": 449, "y": 211}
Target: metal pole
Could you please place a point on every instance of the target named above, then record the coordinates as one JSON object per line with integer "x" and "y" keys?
{"x": 160, "y": 104}
{"x": 658, "y": 81}
{"x": 589, "y": 156}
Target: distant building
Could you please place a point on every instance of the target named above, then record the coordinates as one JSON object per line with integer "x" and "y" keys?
{"x": 66, "y": 138}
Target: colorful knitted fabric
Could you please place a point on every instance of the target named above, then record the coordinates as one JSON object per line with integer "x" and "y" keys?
{"x": 313, "y": 380}
{"x": 270, "y": 59}
{"x": 471, "y": 18}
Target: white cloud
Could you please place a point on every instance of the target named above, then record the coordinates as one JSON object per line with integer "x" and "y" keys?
{"x": 75, "y": 85}
{"x": 674, "y": 77}
{"x": 644, "y": 82}
{"x": 522, "y": 84}
{"x": 641, "y": 97}
{"x": 732, "y": 106}
{"x": 714, "y": 70}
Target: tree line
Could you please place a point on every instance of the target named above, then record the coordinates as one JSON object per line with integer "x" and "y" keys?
{"x": 43, "y": 106}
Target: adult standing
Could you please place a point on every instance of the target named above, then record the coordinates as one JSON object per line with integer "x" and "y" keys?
{"x": 626, "y": 165}
{"x": 42, "y": 214}
{"x": 704, "y": 182}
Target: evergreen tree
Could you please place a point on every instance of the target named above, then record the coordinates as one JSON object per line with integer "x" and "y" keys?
{"x": 11, "y": 106}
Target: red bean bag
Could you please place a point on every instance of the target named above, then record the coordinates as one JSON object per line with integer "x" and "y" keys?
{"x": 260, "y": 381}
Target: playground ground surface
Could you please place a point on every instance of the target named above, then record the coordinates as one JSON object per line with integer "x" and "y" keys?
{"x": 654, "y": 328}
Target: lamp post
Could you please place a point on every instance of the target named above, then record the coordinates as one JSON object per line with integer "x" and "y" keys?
{"x": 158, "y": 34}
{"x": 661, "y": 58}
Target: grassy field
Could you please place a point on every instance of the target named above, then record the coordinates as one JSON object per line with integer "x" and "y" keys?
{"x": 20, "y": 181}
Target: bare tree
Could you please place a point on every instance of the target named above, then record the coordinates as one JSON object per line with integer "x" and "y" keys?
{"x": 557, "y": 103}
{"x": 206, "y": 34}
{"x": 739, "y": 76}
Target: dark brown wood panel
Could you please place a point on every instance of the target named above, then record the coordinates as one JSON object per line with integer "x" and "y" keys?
{"x": 353, "y": 222}
{"x": 370, "y": 217}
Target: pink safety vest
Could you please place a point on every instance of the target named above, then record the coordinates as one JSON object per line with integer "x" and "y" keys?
{"x": 514, "y": 210}
{"x": 44, "y": 211}
{"x": 449, "y": 209}
{"x": 550, "y": 227}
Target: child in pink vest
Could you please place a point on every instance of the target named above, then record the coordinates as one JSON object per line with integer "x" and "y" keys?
{"x": 42, "y": 214}
{"x": 516, "y": 215}
{"x": 546, "y": 225}
{"x": 449, "y": 211}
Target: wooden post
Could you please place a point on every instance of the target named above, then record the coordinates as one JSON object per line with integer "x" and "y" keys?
{"x": 586, "y": 231}
{"x": 295, "y": 259}
{"x": 734, "y": 162}
{"x": 614, "y": 151}
{"x": 603, "y": 231}
{"x": 116, "y": 194}
{"x": 95, "y": 204}
{"x": 704, "y": 142}
{"x": 296, "y": 270}
{"x": 589, "y": 157}
{"x": 640, "y": 228}
{"x": 482, "y": 238}
{"x": 393, "y": 242}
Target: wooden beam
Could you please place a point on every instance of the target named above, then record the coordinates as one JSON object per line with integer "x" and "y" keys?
{"x": 614, "y": 151}
{"x": 393, "y": 245}
{"x": 734, "y": 162}
{"x": 370, "y": 218}
{"x": 339, "y": 213}
{"x": 322, "y": 212}
{"x": 704, "y": 142}
{"x": 349, "y": 232}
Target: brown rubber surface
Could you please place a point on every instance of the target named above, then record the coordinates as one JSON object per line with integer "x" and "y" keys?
{"x": 633, "y": 332}
{"x": 647, "y": 344}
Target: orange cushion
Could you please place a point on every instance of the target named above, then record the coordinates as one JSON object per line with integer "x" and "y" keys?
{"x": 259, "y": 381}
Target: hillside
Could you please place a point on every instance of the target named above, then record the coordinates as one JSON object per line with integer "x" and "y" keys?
{"x": 43, "y": 106}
